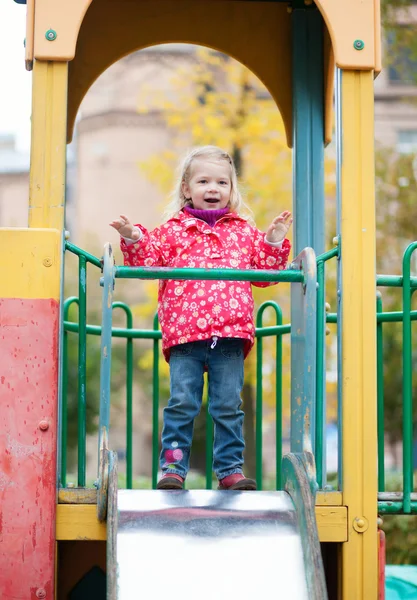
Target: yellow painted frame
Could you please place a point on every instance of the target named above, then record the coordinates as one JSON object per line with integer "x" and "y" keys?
{"x": 79, "y": 522}
{"x": 347, "y": 20}
{"x": 48, "y": 145}
{"x": 30, "y": 263}
{"x": 359, "y": 554}
{"x": 350, "y": 20}
{"x": 268, "y": 55}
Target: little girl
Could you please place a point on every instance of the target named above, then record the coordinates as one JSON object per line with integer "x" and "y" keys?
{"x": 206, "y": 325}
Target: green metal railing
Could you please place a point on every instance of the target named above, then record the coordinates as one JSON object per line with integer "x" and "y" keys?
{"x": 129, "y": 333}
{"x": 407, "y": 501}
{"x": 388, "y": 502}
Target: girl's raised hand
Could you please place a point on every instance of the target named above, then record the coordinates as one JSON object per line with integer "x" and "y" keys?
{"x": 125, "y": 227}
{"x": 279, "y": 227}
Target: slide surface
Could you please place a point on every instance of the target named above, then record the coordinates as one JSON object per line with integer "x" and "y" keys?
{"x": 208, "y": 544}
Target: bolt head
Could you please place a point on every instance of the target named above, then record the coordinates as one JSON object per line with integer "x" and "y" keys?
{"x": 40, "y": 593}
{"x": 47, "y": 262}
{"x": 51, "y": 35}
{"x": 359, "y": 44}
{"x": 43, "y": 425}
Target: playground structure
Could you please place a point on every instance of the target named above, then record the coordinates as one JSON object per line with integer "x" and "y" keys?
{"x": 51, "y": 535}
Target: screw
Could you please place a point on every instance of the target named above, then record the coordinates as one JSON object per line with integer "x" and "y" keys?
{"x": 67, "y": 234}
{"x": 40, "y": 593}
{"x": 43, "y": 425}
{"x": 359, "y": 44}
{"x": 47, "y": 262}
{"x": 51, "y": 35}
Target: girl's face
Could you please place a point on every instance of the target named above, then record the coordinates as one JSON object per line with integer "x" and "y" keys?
{"x": 209, "y": 186}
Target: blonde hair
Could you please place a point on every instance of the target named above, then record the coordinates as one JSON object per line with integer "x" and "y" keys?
{"x": 213, "y": 153}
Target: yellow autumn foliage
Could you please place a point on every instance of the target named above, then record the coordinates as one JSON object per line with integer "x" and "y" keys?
{"x": 219, "y": 101}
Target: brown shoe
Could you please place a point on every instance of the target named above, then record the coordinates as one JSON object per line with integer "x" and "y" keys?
{"x": 170, "y": 482}
{"x": 237, "y": 481}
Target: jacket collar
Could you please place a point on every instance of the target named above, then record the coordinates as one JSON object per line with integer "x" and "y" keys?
{"x": 189, "y": 221}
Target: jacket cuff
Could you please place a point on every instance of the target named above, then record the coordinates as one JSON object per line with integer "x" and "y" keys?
{"x": 130, "y": 241}
{"x": 273, "y": 244}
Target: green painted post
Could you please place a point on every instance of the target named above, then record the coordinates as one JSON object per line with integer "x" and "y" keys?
{"x": 258, "y": 411}
{"x": 278, "y": 406}
{"x": 155, "y": 405}
{"x": 129, "y": 394}
{"x": 260, "y": 330}
{"x": 64, "y": 409}
{"x": 64, "y": 394}
{"x": 380, "y": 394}
{"x": 407, "y": 382}
{"x": 82, "y": 369}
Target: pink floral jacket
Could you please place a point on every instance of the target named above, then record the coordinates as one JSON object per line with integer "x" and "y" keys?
{"x": 199, "y": 310}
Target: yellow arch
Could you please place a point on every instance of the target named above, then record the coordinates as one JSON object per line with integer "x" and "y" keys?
{"x": 259, "y": 39}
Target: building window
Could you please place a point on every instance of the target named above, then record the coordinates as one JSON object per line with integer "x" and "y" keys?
{"x": 407, "y": 141}
{"x": 402, "y": 57}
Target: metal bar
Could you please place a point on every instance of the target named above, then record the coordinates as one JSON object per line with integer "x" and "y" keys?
{"x": 64, "y": 393}
{"x": 129, "y": 393}
{"x": 258, "y": 411}
{"x": 118, "y": 332}
{"x": 288, "y": 275}
{"x": 82, "y": 368}
{"x": 273, "y": 330}
{"x": 333, "y": 253}
{"x": 151, "y": 334}
{"x": 105, "y": 362}
{"x": 396, "y": 508}
{"x": 407, "y": 382}
{"x": 87, "y": 256}
{"x": 339, "y": 310}
{"x": 303, "y": 355}
{"x": 320, "y": 376}
{"x": 209, "y": 448}
{"x": 380, "y": 396}
{"x": 155, "y": 405}
{"x": 386, "y": 317}
{"x": 308, "y": 128}
{"x": 278, "y": 393}
{"x": 395, "y": 317}
{"x": 278, "y": 407}
{"x": 395, "y": 281}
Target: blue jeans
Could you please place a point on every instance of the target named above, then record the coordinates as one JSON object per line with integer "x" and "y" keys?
{"x": 224, "y": 364}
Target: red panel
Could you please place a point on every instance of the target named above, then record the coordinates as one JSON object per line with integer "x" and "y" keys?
{"x": 28, "y": 400}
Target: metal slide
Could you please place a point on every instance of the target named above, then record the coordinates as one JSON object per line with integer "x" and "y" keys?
{"x": 204, "y": 544}
{"x": 219, "y": 544}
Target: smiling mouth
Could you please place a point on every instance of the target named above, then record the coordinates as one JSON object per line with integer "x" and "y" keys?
{"x": 212, "y": 200}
